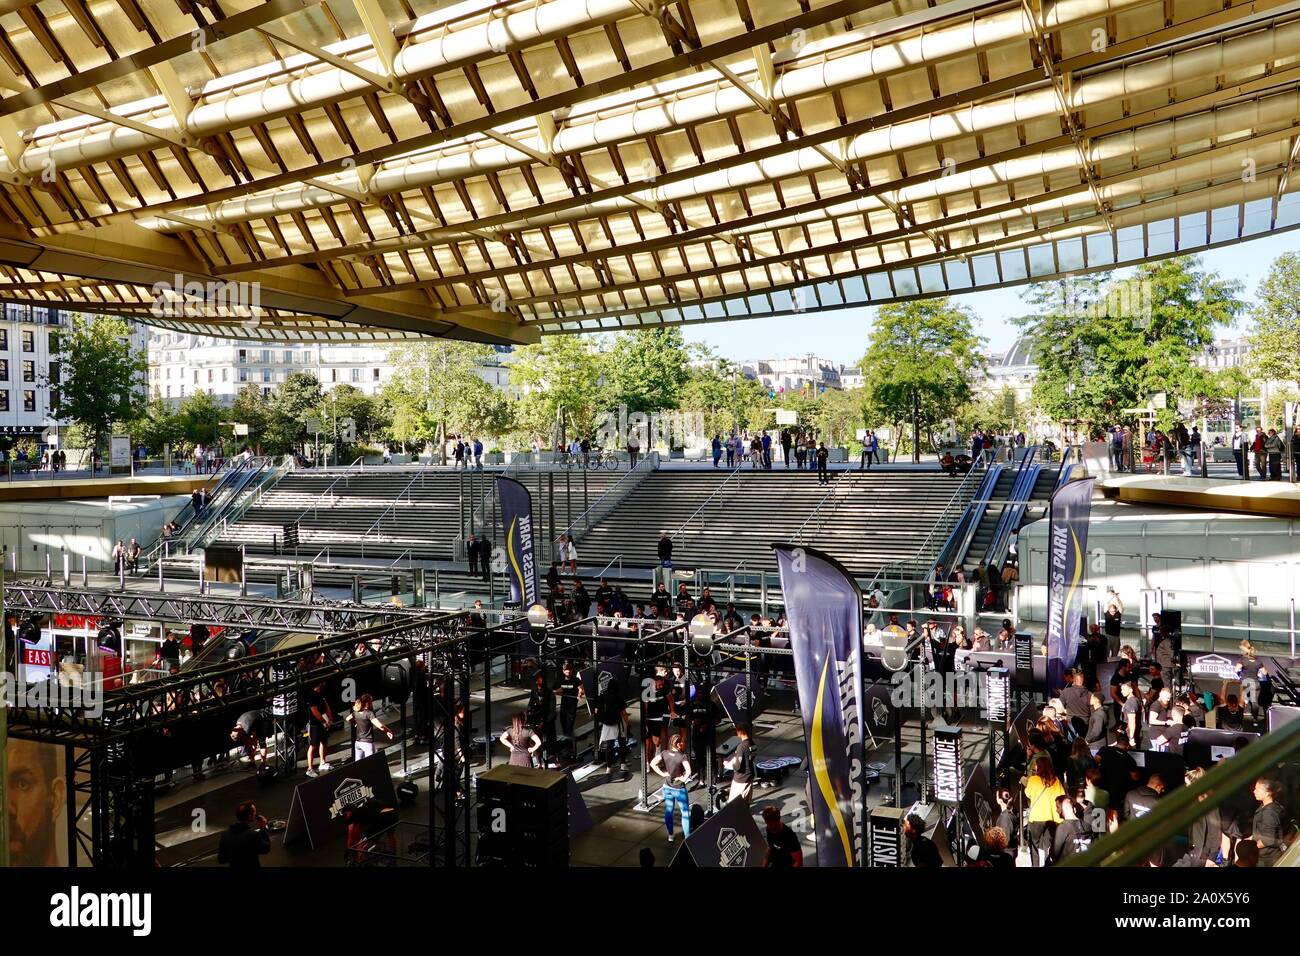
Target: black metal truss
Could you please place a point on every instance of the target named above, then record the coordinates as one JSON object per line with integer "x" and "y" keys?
{"x": 321, "y": 617}
{"x": 244, "y": 683}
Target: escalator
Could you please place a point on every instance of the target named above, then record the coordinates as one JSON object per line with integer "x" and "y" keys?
{"x": 233, "y": 485}
{"x": 988, "y": 518}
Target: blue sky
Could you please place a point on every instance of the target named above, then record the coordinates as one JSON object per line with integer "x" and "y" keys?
{"x": 842, "y": 336}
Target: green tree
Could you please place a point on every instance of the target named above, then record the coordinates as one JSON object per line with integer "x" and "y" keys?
{"x": 200, "y": 419}
{"x": 157, "y": 427}
{"x": 723, "y": 396}
{"x": 98, "y": 377}
{"x": 1115, "y": 345}
{"x": 292, "y": 404}
{"x": 560, "y": 377}
{"x": 919, "y": 363}
{"x": 253, "y": 409}
{"x": 1275, "y": 336}
{"x": 437, "y": 391}
{"x": 647, "y": 370}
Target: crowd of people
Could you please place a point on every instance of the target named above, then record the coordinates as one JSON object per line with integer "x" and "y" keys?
{"x": 1256, "y": 449}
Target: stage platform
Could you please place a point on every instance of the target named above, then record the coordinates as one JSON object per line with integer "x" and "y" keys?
{"x": 84, "y": 489}
{"x": 1278, "y": 499}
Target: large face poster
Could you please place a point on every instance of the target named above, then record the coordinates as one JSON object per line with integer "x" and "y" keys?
{"x": 39, "y": 802}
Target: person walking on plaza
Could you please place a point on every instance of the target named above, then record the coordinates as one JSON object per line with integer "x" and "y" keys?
{"x": 675, "y": 767}
{"x": 633, "y": 450}
{"x": 1239, "y": 450}
{"x": 119, "y": 557}
{"x": 767, "y": 450}
{"x": 716, "y": 448}
{"x": 1273, "y": 446}
{"x": 471, "y": 552}
{"x": 785, "y": 446}
{"x": 1257, "y": 449}
{"x": 731, "y": 451}
{"x": 133, "y": 557}
{"x": 823, "y": 457}
{"x": 478, "y": 454}
{"x": 485, "y": 556}
{"x": 801, "y": 452}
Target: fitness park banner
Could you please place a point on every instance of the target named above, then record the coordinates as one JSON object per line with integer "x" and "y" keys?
{"x": 1067, "y": 545}
{"x": 517, "y": 522}
{"x": 824, "y": 612}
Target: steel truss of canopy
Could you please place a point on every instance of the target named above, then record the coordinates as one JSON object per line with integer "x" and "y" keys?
{"x": 226, "y": 611}
{"x": 499, "y": 169}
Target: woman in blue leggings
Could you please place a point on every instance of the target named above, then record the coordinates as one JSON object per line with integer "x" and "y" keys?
{"x": 675, "y": 767}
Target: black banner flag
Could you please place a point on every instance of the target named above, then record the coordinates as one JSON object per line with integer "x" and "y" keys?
{"x": 824, "y": 611}
{"x": 1067, "y": 544}
{"x": 517, "y": 522}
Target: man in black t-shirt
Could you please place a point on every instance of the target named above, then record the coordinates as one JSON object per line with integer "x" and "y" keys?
{"x": 1117, "y": 768}
{"x": 783, "y": 849}
{"x": 319, "y": 719}
{"x": 581, "y": 599}
{"x": 1143, "y": 800}
{"x": 169, "y": 653}
{"x": 741, "y": 765}
{"x": 661, "y": 600}
{"x": 569, "y": 687}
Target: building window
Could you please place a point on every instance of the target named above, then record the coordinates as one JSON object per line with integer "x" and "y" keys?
{"x": 356, "y": 375}
{"x": 375, "y": 375}
{"x": 243, "y": 375}
{"x": 4, "y": 370}
{"x": 54, "y": 343}
{"x": 29, "y": 400}
{"x": 243, "y": 355}
{"x": 266, "y": 356}
{"x": 288, "y": 357}
{"x": 4, "y": 340}
{"x": 29, "y": 370}
{"x": 224, "y": 374}
{"x": 54, "y": 372}
{"x": 209, "y": 375}
{"x": 266, "y": 375}
{"x": 196, "y": 376}
{"x": 4, "y": 399}
{"x": 29, "y": 340}
{"x": 334, "y": 375}
{"x": 169, "y": 391}
{"x": 182, "y": 391}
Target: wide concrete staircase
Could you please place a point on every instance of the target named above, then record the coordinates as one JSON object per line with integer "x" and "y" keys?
{"x": 864, "y": 519}
{"x": 395, "y": 511}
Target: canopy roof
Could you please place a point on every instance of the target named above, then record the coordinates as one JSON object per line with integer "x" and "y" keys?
{"x": 498, "y": 170}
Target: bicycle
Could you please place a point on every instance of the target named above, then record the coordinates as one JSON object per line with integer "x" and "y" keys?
{"x": 592, "y": 461}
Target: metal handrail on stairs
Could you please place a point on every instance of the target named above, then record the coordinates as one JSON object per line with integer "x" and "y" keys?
{"x": 940, "y": 525}
{"x": 648, "y": 463}
{"x": 716, "y": 495}
{"x": 831, "y": 496}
